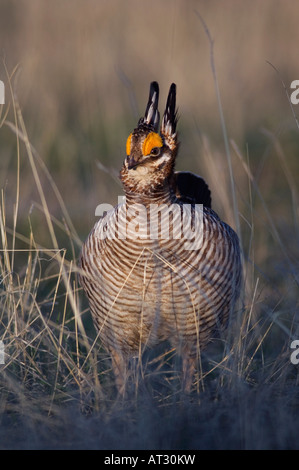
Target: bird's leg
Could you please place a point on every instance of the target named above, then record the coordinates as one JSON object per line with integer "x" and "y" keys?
{"x": 119, "y": 367}
{"x": 189, "y": 367}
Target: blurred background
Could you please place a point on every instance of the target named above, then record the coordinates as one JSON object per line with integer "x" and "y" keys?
{"x": 81, "y": 71}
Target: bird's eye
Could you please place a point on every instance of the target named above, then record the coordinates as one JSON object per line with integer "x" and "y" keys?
{"x": 155, "y": 152}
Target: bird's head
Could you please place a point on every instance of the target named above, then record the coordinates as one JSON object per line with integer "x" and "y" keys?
{"x": 151, "y": 155}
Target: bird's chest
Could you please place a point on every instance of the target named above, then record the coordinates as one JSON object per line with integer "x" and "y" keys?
{"x": 143, "y": 255}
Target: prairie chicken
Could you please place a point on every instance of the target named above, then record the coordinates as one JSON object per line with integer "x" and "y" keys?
{"x": 144, "y": 287}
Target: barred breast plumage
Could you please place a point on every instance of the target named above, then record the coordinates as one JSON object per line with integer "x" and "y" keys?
{"x": 161, "y": 265}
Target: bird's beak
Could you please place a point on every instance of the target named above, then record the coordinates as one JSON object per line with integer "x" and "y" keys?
{"x": 131, "y": 162}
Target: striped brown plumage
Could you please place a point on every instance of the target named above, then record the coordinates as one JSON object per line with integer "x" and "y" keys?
{"x": 144, "y": 289}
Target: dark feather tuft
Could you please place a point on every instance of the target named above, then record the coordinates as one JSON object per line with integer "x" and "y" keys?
{"x": 192, "y": 189}
{"x": 152, "y": 115}
{"x": 169, "y": 121}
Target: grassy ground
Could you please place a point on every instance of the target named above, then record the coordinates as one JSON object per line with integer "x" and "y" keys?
{"x": 57, "y": 389}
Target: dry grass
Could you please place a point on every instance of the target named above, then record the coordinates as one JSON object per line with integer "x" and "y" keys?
{"x": 57, "y": 389}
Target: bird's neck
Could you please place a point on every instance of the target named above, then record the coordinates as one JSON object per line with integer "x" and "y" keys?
{"x": 158, "y": 195}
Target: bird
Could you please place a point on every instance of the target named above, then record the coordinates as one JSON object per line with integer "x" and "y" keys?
{"x": 147, "y": 280}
